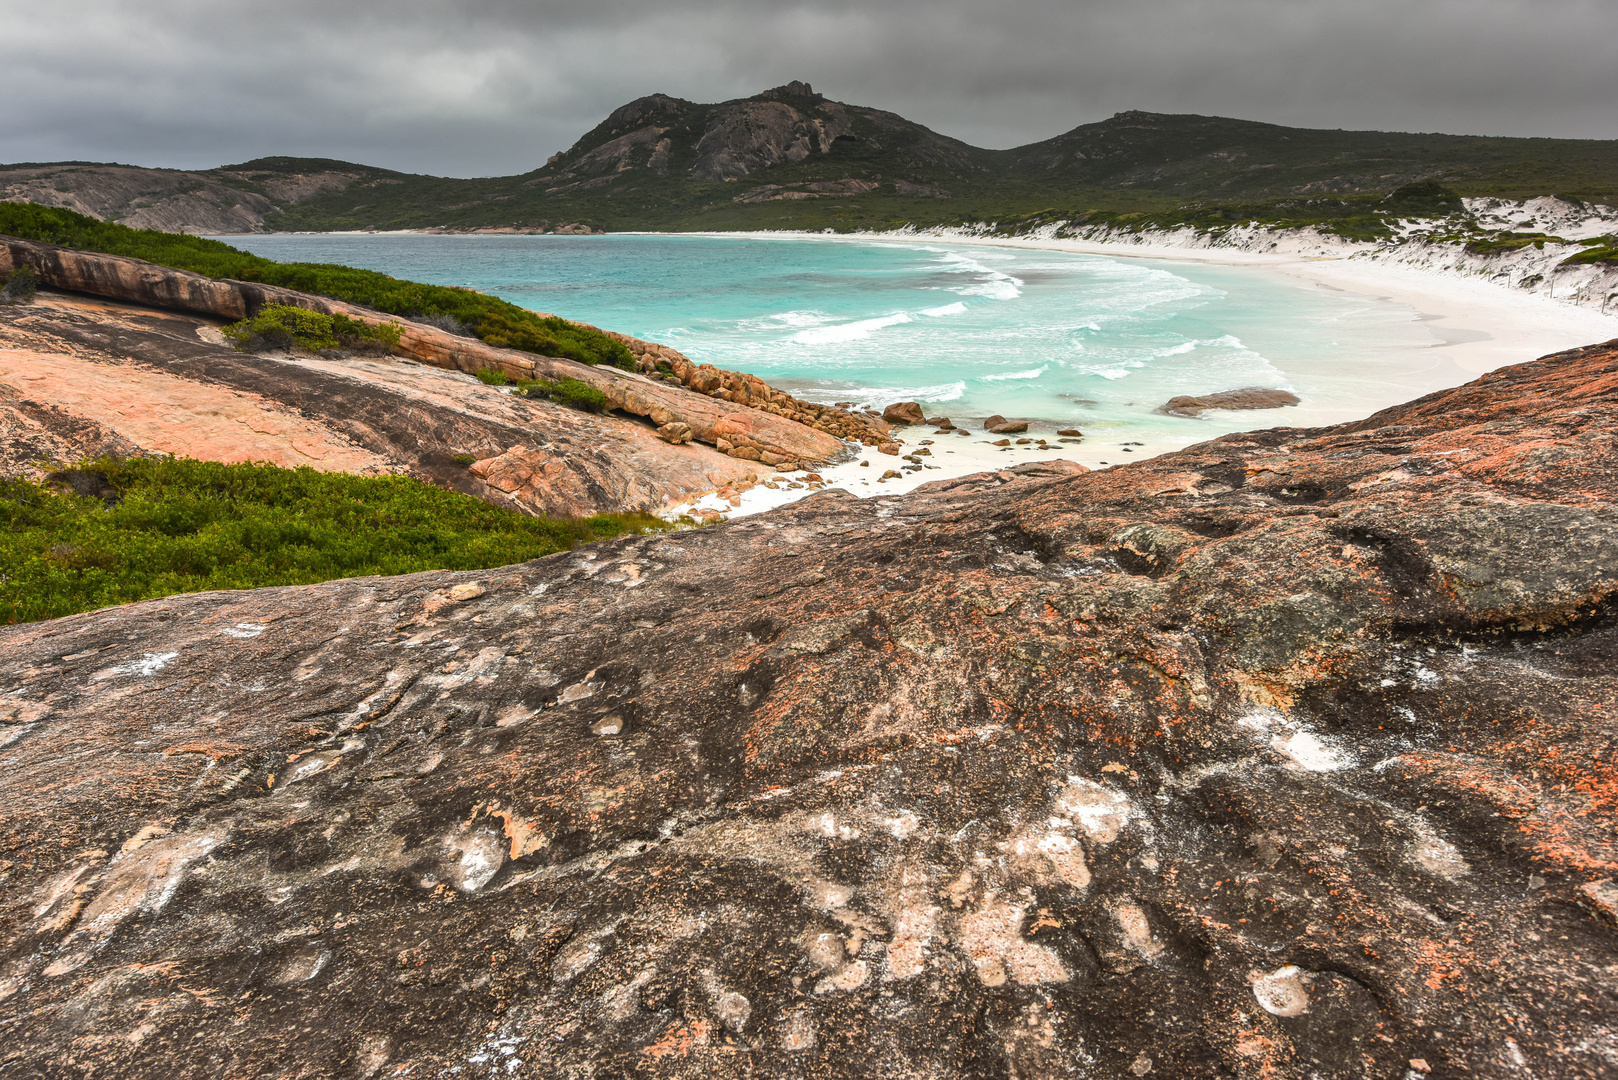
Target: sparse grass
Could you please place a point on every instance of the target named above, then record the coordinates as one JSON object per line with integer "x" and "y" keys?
{"x": 115, "y": 531}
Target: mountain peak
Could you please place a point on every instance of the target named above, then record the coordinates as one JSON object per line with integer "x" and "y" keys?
{"x": 794, "y": 89}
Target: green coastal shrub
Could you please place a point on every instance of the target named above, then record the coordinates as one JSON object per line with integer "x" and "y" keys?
{"x": 115, "y": 531}
{"x": 565, "y": 391}
{"x": 1597, "y": 249}
{"x": 278, "y": 326}
{"x": 489, "y": 318}
{"x": 20, "y": 286}
{"x": 491, "y": 377}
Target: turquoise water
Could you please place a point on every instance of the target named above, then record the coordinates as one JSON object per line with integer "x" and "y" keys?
{"x": 1057, "y": 338}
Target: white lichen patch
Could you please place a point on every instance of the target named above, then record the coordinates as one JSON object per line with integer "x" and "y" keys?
{"x": 243, "y": 630}
{"x": 477, "y": 854}
{"x": 1045, "y": 855}
{"x": 148, "y": 665}
{"x": 851, "y": 977}
{"x": 991, "y": 938}
{"x": 733, "y": 1010}
{"x": 1137, "y": 930}
{"x": 798, "y": 1031}
{"x": 1101, "y": 811}
{"x": 901, "y": 825}
{"x": 1281, "y": 992}
{"x": 577, "y": 692}
{"x": 1300, "y": 748}
{"x": 1437, "y": 856}
{"x": 1308, "y": 751}
{"x": 142, "y": 877}
{"x": 913, "y": 929}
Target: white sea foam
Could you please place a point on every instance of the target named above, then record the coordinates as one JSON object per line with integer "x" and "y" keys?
{"x": 1032, "y": 373}
{"x": 784, "y": 320}
{"x": 957, "y": 308}
{"x": 991, "y": 284}
{"x": 850, "y": 331}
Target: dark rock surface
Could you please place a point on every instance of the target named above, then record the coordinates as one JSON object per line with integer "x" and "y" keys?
{"x": 1286, "y": 755}
{"x": 1248, "y": 397}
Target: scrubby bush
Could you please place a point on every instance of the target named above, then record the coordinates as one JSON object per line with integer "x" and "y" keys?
{"x": 490, "y": 319}
{"x": 449, "y": 324}
{"x": 493, "y": 378}
{"x": 20, "y": 285}
{"x": 565, "y": 391}
{"x": 278, "y": 326}
{"x": 115, "y": 531}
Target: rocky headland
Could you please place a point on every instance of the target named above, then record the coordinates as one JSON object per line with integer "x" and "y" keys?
{"x": 1286, "y": 755}
{"x": 126, "y": 356}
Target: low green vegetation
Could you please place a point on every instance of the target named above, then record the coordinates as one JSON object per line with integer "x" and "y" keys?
{"x": 565, "y": 391}
{"x": 115, "y": 531}
{"x": 573, "y": 393}
{"x": 1359, "y": 217}
{"x": 1597, "y": 249}
{"x": 277, "y": 326}
{"x": 489, "y": 318}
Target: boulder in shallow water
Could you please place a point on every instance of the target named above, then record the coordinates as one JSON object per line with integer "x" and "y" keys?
{"x": 1009, "y": 427}
{"x": 1248, "y": 397}
{"x": 903, "y": 412}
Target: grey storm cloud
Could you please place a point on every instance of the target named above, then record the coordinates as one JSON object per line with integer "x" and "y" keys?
{"x": 488, "y": 87}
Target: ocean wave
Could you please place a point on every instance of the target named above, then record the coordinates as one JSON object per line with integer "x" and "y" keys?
{"x": 853, "y": 331}
{"x": 784, "y": 320}
{"x": 1033, "y": 373}
{"x": 879, "y": 397}
{"x": 957, "y": 308}
{"x": 994, "y": 284}
{"x": 1228, "y": 341}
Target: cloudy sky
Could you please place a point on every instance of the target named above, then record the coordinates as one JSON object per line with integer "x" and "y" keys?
{"x": 489, "y": 87}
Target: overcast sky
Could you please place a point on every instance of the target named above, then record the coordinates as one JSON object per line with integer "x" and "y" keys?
{"x": 491, "y": 87}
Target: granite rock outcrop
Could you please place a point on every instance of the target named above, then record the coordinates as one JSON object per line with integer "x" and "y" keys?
{"x": 767, "y": 422}
{"x": 1247, "y": 397}
{"x": 1285, "y": 755}
{"x": 82, "y": 377}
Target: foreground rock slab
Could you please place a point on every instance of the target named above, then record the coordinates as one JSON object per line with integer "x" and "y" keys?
{"x": 1287, "y": 755}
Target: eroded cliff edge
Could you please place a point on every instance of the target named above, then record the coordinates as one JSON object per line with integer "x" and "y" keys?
{"x": 1287, "y": 755}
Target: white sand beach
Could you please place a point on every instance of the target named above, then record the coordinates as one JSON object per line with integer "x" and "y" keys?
{"x": 1472, "y": 325}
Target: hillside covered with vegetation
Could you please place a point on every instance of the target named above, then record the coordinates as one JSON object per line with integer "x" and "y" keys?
{"x": 489, "y": 318}
{"x": 790, "y": 158}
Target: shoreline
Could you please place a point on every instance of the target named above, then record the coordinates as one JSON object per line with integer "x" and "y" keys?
{"x": 1516, "y": 325}
{"x": 1476, "y": 324}
{"x": 1479, "y": 325}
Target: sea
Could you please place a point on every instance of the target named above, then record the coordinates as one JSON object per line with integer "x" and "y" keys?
{"x": 1093, "y": 342}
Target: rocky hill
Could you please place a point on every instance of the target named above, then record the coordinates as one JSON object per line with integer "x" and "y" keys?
{"x": 1286, "y": 755}
{"x": 791, "y": 158}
